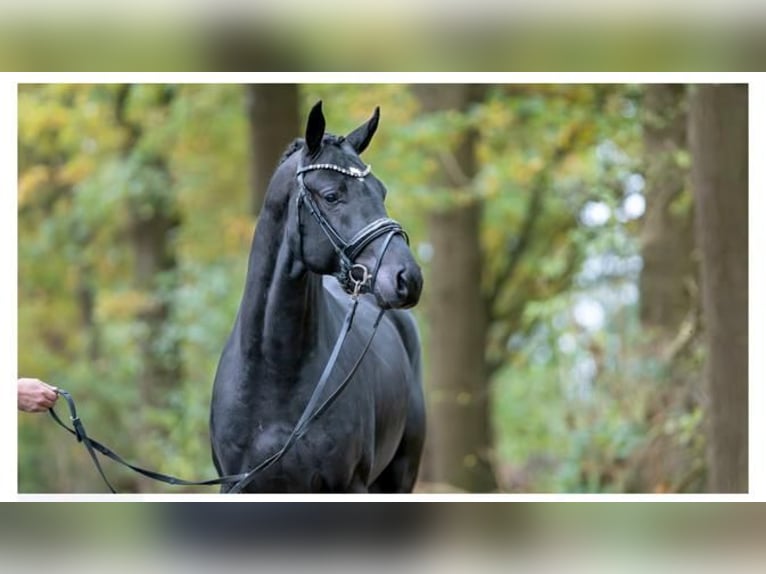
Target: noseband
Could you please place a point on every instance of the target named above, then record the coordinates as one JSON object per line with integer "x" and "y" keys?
{"x": 353, "y": 277}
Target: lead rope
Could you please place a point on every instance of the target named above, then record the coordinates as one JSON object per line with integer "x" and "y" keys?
{"x": 78, "y": 430}
{"x": 94, "y": 446}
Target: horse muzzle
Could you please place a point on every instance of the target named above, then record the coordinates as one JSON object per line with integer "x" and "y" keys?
{"x": 398, "y": 286}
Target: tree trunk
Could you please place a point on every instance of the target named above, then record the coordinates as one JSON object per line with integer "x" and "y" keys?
{"x": 719, "y": 143}
{"x": 459, "y": 440}
{"x": 155, "y": 269}
{"x": 669, "y": 306}
{"x": 86, "y": 300}
{"x": 667, "y": 233}
{"x": 153, "y": 219}
{"x": 273, "y": 113}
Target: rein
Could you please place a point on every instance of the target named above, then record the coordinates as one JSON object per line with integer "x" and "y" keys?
{"x": 93, "y": 446}
{"x": 347, "y": 253}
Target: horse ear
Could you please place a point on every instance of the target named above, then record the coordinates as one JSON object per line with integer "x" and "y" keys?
{"x": 360, "y": 138}
{"x": 315, "y": 128}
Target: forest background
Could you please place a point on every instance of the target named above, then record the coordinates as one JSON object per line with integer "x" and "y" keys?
{"x": 584, "y": 315}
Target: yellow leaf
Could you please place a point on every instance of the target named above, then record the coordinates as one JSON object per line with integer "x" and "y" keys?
{"x": 30, "y": 180}
{"x": 123, "y": 305}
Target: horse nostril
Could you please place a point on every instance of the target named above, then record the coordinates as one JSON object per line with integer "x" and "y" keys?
{"x": 402, "y": 283}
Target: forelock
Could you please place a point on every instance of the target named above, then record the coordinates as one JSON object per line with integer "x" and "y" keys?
{"x": 298, "y": 143}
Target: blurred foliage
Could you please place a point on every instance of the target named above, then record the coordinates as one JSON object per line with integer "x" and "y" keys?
{"x": 410, "y": 38}
{"x": 574, "y": 378}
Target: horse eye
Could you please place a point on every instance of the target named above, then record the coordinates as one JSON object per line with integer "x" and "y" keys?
{"x": 331, "y": 197}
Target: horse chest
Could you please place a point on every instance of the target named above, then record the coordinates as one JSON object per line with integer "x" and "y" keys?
{"x": 335, "y": 454}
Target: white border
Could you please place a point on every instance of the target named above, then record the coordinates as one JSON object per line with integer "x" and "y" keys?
{"x": 8, "y": 226}
{"x": 399, "y": 498}
{"x": 756, "y": 288}
{"x": 385, "y": 77}
{"x": 8, "y": 287}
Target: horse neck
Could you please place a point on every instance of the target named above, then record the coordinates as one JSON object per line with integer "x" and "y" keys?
{"x": 277, "y": 317}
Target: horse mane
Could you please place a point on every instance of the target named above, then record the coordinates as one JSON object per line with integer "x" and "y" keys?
{"x": 298, "y": 143}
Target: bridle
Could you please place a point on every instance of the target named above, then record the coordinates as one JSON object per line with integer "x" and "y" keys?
{"x": 347, "y": 252}
{"x": 354, "y": 277}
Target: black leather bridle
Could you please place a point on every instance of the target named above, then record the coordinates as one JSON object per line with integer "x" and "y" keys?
{"x": 354, "y": 277}
{"x": 354, "y": 284}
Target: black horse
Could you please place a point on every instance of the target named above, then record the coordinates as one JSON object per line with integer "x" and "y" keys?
{"x": 323, "y": 215}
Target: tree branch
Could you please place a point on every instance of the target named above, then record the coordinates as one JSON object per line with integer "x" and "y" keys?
{"x": 454, "y": 171}
{"x": 529, "y": 225}
{"x": 120, "y": 114}
{"x": 509, "y": 322}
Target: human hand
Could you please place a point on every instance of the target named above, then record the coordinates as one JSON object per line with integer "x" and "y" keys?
{"x": 35, "y": 396}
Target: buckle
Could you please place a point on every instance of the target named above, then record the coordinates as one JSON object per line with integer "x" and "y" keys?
{"x": 358, "y": 282}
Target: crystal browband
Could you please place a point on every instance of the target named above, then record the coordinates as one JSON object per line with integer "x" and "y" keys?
{"x": 350, "y": 171}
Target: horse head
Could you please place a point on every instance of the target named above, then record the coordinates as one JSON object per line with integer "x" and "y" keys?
{"x": 343, "y": 228}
